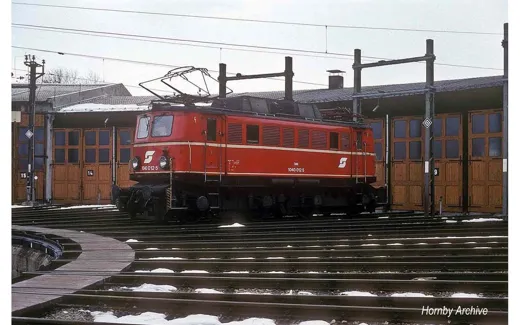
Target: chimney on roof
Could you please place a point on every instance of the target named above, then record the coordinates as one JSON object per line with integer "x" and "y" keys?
{"x": 335, "y": 79}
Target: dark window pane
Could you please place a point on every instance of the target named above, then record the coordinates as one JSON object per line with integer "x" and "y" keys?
{"x": 23, "y": 149}
{"x": 73, "y": 138}
{"x": 73, "y": 156}
{"x": 90, "y": 155}
{"x": 162, "y": 126}
{"x": 399, "y": 150}
{"x": 452, "y": 126}
{"x": 415, "y": 150}
{"x": 59, "y": 156}
{"x": 478, "y": 123}
{"x": 39, "y": 150}
{"x": 104, "y": 138}
{"x": 378, "y": 148}
{"x": 38, "y": 163}
{"x": 477, "y": 147}
{"x": 334, "y": 140}
{"x": 495, "y": 147}
{"x": 104, "y": 155}
{"x": 22, "y": 164}
{"x": 21, "y": 135}
{"x": 124, "y": 155}
{"x": 400, "y": 129}
{"x": 345, "y": 141}
{"x": 452, "y": 149}
{"x": 437, "y": 127}
{"x": 437, "y": 149}
{"x": 124, "y": 138}
{"x": 212, "y": 129}
{"x": 59, "y": 138}
{"x": 359, "y": 140}
{"x": 377, "y": 129}
{"x": 39, "y": 134}
{"x": 90, "y": 138}
{"x": 495, "y": 123}
{"x": 252, "y": 134}
{"x": 415, "y": 128}
{"x": 142, "y": 128}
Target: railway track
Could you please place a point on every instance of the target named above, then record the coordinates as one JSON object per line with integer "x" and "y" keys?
{"x": 376, "y": 269}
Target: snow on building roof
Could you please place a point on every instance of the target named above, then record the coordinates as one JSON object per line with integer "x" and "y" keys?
{"x": 92, "y": 107}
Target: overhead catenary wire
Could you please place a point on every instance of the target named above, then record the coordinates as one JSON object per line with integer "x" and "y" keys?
{"x": 256, "y": 20}
{"x": 220, "y": 44}
{"x": 139, "y": 62}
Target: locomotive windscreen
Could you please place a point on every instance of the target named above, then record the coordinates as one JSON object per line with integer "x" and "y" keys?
{"x": 162, "y": 126}
{"x": 142, "y": 127}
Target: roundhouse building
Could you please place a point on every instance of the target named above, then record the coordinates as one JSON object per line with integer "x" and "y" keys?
{"x": 86, "y": 139}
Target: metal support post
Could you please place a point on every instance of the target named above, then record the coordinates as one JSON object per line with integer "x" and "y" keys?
{"x": 505, "y": 126}
{"x": 288, "y": 78}
{"x": 222, "y": 79}
{"x": 429, "y": 161}
{"x": 356, "y": 109}
{"x": 32, "y": 64}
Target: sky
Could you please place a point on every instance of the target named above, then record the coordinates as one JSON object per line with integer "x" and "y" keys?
{"x": 459, "y": 49}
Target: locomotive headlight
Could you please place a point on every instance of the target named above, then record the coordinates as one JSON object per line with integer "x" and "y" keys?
{"x": 163, "y": 162}
{"x": 135, "y": 163}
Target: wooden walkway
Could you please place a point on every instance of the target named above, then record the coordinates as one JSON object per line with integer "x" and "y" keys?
{"x": 100, "y": 255}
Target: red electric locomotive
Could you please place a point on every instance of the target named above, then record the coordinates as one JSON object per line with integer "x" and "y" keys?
{"x": 254, "y": 156}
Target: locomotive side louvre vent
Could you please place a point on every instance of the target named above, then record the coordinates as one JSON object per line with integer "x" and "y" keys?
{"x": 319, "y": 140}
{"x": 288, "y": 138}
{"x": 271, "y": 135}
{"x": 235, "y": 133}
{"x": 303, "y": 138}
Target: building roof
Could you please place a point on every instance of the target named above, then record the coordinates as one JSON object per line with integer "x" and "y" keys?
{"x": 122, "y": 100}
{"x": 46, "y": 91}
{"x": 345, "y": 94}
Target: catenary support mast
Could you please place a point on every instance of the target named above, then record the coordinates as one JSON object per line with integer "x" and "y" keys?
{"x": 505, "y": 122}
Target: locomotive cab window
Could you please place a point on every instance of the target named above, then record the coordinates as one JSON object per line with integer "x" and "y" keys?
{"x": 252, "y": 134}
{"x": 142, "y": 128}
{"x": 334, "y": 140}
{"x": 162, "y": 126}
{"x": 211, "y": 129}
{"x": 359, "y": 140}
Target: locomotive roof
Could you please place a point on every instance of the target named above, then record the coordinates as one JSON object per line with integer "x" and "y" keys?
{"x": 257, "y": 106}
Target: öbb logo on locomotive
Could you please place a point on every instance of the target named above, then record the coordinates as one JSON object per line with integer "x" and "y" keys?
{"x": 256, "y": 156}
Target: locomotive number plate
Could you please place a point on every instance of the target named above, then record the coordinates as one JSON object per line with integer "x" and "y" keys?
{"x": 152, "y": 168}
{"x": 296, "y": 170}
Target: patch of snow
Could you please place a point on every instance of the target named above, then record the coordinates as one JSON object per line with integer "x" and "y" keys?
{"x": 482, "y": 247}
{"x": 91, "y": 107}
{"x": 231, "y": 272}
{"x": 341, "y": 245}
{"x": 209, "y": 258}
{"x": 151, "y": 249}
{"x": 305, "y": 293}
{"x": 451, "y": 221}
{"x": 133, "y": 241}
{"x": 276, "y": 272}
{"x": 394, "y": 244}
{"x": 204, "y": 290}
{"x": 470, "y": 242}
{"x": 464, "y": 295}
{"x": 314, "y": 322}
{"x": 425, "y": 279}
{"x": 369, "y": 235}
{"x": 383, "y": 217}
{"x": 289, "y": 246}
{"x": 421, "y": 244}
{"x": 445, "y": 243}
{"x": 159, "y": 270}
{"x": 482, "y": 220}
{"x": 232, "y": 226}
{"x": 146, "y": 287}
{"x": 194, "y": 271}
{"x": 164, "y": 258}
{"x": 357, "y": 294}
{"x": 275, "y": 258}
{"x": 104, "y": 206}
{"x": 244, "y": 258}
{"x": 18, "y": 206}
{"x": 175, "y": 248}
{"x": 410, "y": 294}
{"x": 308, "y": 257}
{"x": 370, "y": 245}
{"x": 313, "y": 246}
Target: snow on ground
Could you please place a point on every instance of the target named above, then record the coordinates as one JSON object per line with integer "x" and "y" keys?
{"x": 357, "y": 294}
{"x": 244, "y": 258}
{"x": 482, "y": 247}
{"x": 157, "y": 318}
{"x": 163, "y": 258}
{"x": 394, "y": 244}
{"x": 276, "y": 272}
{"x": 232, "y": 272}
{"x": 146, "y": 287}
{"x": 194, "y": 271}
{"x": 209, "y": 258}
{"x": 370, "y": 245}
{"x": 451, "y": 221}
{"x": 204, "y": 290}
{"x": 386, "y": 217}
{"x": 410, "y": 294}
{"x": 159, "y": 270}
{"x": 18, "y": 206}
{"x": 445, "y": 243}
{"x": 151, "y": 249}
{"x": 464, "y": 295}
{"x": 232, "y": 226}
{"x": 133, "y": 241}
{"x": 314, "y": 322}
{"x": 275, "y": 258}
{"x": 103, "y": 206}
{"x": 307, "y": 257}
{"x": 482, "y": 220}
{"x": 289, "y": 246}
